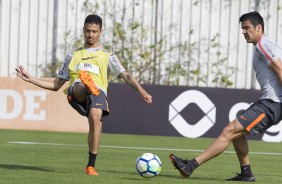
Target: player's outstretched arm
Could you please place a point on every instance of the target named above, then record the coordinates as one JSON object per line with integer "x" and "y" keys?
{"x": 53, "y": 84}
{"x": 132, "y": 82}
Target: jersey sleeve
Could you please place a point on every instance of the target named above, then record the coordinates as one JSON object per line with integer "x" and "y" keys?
{"x": 64, "y": 72}
{"x": 268, "y": 49}
{"x": 115, "y": 65}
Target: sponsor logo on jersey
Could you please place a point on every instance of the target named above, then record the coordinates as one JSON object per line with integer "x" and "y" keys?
{"x": 64, "y": 66}
{"x": 88, "y": 67}
{"x": 269, "y": 50}
{"x": 83, "y": 59}
{"x": 259, "y": 53}
{"x": 116, "y": 62}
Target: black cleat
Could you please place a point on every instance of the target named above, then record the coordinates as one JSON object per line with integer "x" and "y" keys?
{"x": 242, "y": 178}
{"x": 181, "y": 165}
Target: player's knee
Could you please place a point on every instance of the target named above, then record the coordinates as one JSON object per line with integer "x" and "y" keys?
{"x": 94, "y": 121}
{"x": 228, "y": 132}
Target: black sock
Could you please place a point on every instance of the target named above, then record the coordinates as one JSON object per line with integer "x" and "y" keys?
{"x": 92, "y": 159}
{"x": 246, "y": 170}
{"x": 193, "y": 164}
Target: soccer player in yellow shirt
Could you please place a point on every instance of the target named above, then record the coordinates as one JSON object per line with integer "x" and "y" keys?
{"x": 87, "y": 71}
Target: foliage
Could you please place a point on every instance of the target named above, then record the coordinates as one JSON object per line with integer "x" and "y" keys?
{"x": 145, "y": 54}
{"x": 51, "y": 69}
{"x": 219, "y": 66}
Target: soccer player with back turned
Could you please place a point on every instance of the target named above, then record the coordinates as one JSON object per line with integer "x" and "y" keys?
{"x": 262, "y": 114}
{"x": 87, "y": 70}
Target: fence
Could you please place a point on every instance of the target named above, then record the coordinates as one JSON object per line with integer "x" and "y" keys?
{"x": 171, "y": 42}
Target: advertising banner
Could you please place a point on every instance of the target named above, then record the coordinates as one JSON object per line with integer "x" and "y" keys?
{"x": 25, "y": 106}
{"x": 190, "y": 112}
{"x": 180, "y": 111}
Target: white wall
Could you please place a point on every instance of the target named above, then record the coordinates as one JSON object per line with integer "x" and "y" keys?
{"x": 26, "y": 31}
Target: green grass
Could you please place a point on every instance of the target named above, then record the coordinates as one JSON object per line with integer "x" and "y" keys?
{"x": 39, "y": 163}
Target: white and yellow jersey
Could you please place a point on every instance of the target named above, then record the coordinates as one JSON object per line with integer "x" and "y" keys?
{"x": 94, "y": 60}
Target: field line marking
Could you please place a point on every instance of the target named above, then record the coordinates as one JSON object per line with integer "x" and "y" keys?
{"x": 138, "y": 148}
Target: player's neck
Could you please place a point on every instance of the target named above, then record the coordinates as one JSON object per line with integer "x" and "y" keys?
{"x": 95, "y": 45}
{"x": 257, "y": 40}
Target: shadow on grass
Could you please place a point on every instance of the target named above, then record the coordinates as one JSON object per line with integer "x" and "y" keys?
{"x": 135, "y": 175}
{"x": 24, "y": 167}
{"x": 191, "y": 178}
{"x": 168, "y": 176}
{"x": 180, "y": 179}
{"x": 118, "y": 172}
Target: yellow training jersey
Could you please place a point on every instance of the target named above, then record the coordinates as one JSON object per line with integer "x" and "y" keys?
{"x": 95, "y": 61}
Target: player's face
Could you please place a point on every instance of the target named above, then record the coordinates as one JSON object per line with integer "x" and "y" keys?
{"x": 92, "y": 34}
{"x": 252, "y": 34}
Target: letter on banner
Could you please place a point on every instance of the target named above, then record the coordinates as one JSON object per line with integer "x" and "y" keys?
{"x": 17, "y": 104}
{"x": 31, "y": 105}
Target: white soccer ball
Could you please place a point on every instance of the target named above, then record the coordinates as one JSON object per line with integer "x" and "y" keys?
{"x": 148, "y": 165}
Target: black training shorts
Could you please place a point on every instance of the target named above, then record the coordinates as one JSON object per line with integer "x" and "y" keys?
{"x": 261, "y": 115}
{"x": 99, "y": 102}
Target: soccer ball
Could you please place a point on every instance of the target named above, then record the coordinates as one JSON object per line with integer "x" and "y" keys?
{"x": 148, "y": 165}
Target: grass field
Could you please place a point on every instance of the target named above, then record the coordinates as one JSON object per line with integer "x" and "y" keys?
{"x": 56, "y": 157}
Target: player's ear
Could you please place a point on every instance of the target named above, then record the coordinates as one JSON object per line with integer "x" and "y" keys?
{"x": 259, "y": 28}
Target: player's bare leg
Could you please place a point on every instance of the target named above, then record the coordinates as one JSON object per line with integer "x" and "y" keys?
{"x": 95, "y": 129}
{"x": 94, "y": 135}
{"x": 78, "y": 93}
{"x": 81, "y": 91}
{"x": 242, "y": 149}
{"x": 232, "y": 131}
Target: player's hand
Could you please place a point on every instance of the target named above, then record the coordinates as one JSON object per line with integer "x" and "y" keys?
{"x": 148, "y": 98}
{"x": 22, "y": 73}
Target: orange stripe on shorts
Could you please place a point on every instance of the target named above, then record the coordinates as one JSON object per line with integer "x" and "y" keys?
{"x": 255, "y": 122}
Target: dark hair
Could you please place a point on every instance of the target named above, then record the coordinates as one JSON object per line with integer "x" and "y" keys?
{"x": 254, "y": 17}
{"x": 93, "y": 19}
